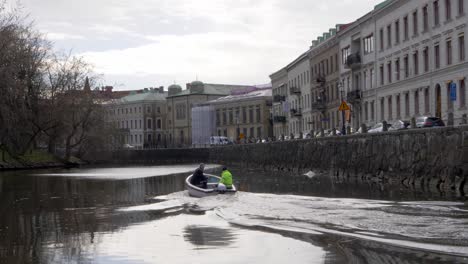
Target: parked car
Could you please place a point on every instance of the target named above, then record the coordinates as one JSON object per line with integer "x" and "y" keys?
{"x": 217, "y": 140}
{"x": 377, "y": 128}
{"x": 429, "y": 121}
{"x": 399, "y": 125}
{"x": 128, "y": 146}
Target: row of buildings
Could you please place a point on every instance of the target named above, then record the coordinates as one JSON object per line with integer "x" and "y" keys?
{"x": 401, "y": 60}
{"x": 157, "y": 118}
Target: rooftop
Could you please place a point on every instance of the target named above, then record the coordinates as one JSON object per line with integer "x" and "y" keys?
{"x": 241, "y": 97}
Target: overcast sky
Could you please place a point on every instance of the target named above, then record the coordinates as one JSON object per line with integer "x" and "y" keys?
{"x": 144, "y": 43}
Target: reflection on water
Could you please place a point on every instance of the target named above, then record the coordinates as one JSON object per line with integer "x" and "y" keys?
{"x": 208, "y": 236}
{"x": 56, "y": 218}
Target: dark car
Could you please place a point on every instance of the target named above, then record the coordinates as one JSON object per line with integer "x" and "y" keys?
{"x": 429, "y": 121}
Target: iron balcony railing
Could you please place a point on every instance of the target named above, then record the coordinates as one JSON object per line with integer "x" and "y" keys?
{"x": 279, "y": 98}
{"x": 353, "y": 61}
{"x": 319, "y": 105}
{"x": 279, "y": 119}
{"x": 353, "y": 96}
{"x": 294, "y": 90}
{"x": 296, "y": 112}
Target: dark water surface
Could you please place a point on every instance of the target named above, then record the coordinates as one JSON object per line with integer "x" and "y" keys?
{"x": 142, "y": 215}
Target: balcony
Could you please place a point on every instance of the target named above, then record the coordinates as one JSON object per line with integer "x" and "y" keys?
{"x": 320, "y": 79}
{"x": 353, "y": 61}
{"x": 353, "y": 96}
{"x": 294, "y": 90}
{"x": 279, "y": 119}
{"x": 296, "y": 112}
{"x": 319, "y": 105}
{"x": 279, "y": 98}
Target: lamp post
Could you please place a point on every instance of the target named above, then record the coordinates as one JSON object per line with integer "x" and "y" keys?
{"x": 343, "y": 128}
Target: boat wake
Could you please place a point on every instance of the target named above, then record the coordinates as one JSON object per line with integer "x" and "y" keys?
{"x": 437, "y": 227}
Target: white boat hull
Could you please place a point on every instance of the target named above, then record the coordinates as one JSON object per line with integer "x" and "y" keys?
{"x": 196, "y": 191}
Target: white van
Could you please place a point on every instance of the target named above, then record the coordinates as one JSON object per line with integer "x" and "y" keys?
{"x": 217, "y": 140}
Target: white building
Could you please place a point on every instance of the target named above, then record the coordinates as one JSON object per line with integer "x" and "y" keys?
{"x": 400, "y": 60}
{"x": 299, "y": 98}
{"x": 141, "y": 118}
{"x": 280, "y": 109}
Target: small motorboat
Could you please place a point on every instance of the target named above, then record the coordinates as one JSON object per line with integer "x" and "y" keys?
{"x": 213, "y": 181}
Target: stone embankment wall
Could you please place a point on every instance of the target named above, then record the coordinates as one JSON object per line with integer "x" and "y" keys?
{"x": 426, "y": 158}
{"x": 423, "y": 158}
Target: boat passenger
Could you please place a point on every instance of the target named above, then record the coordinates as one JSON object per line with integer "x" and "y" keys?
{"x": 226, "y": 180}
{"x": 198, "y": 178}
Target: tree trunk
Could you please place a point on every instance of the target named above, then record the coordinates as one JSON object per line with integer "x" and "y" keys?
{"x": 68, "y": 149}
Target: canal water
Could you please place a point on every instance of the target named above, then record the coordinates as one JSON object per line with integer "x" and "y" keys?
{"x": 143, "y": 215}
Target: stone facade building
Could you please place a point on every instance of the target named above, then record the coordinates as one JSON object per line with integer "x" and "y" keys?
{"x": 247, "y": 114}
{"x": 280, "y": 108}
{"x": 140, "y": 118}
{"x": 403, "y": 59}
{"x": 420, "y": 57}
{"x": 298, "y": 89}
{"x": 326, "y": 96}
{"x": 180, "y": 103}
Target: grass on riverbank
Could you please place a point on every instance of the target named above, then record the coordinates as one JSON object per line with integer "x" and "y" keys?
{"x": 30, "y": 157}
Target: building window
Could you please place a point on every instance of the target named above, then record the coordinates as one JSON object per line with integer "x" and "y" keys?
{"x": 381, "y": 39}
{"x": 372, "y": 112}
{"x": 449, "y": 100}
{"x": 218, "y": 120}
{"x": 448, "y": 9}
{"x": 437, "y": 56}
{"x": 366, "y": 111}
{"x": 257, "y": 113}
{"x": 390, "y": 115}
{"x": 369, "y": 44}
{"x": 252, "y": 130}
{"x": 231, "y": 117}
{"x": 389, "y": 36}
{"x": 416, "y": 62}
{"x": 461, "y": 47}
{"x": 406, "y": 65}
{"x": 397, "y": 69}
{"x": 158, "y": 123}
{"x": 149, "y": 123}
{"x": 406, "y": 27}
{"x": 398, "y": 106}
{"x": 224, "y": 117}
{"x": 416, "y": 103}
{"x": 381, "y": 75}
{"x": 389, "y": 72}
{"x": 382, "y": 109}
{"x": 371, "y": 78}
{"x": 344, "y": 54}
{"x": 426, "y": 59}
{"x": 462, "y": 93}
{"x": 397, "y": 31}
{"x": 449, "y": 52}
{"x": 426, "y": 101}
{"x": 415, "y": 23}
{"x": 251, "y": 117}
{"x": 436, "y": 13}
{"x": 461, "y": 7}
{"x": 244, "y": 115}
{"x": 425, "y": 18}
{"x": 259, "y": 132}
{"x": 407, "y": 105}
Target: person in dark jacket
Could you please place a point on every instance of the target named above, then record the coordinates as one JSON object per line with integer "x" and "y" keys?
{"x": 198, "y": 178}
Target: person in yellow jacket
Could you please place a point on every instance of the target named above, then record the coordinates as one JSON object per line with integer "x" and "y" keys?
{"x": 226, "y": 180}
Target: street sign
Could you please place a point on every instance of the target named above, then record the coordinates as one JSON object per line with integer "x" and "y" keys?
{"x": 344, "y": 107}
{"x": 453, "y": 91}
{"x": 241, "y": 136}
